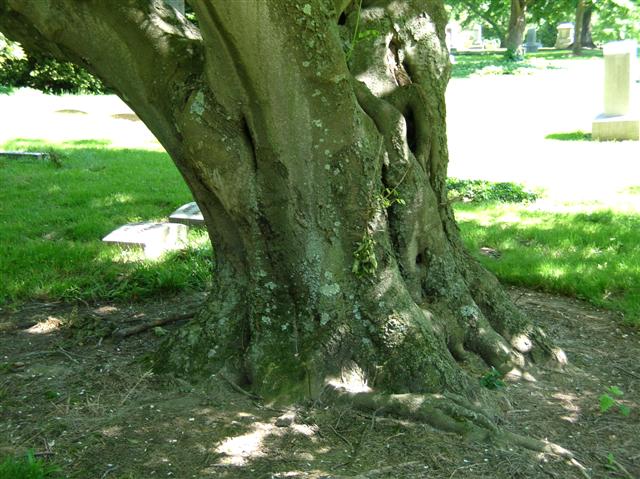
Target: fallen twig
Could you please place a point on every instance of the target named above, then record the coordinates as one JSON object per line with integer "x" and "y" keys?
{"x": 111, "y": 469}
{"x": 60, "y": 349}
{"x": 239, "y": 389}
{"x": 630, "y": 373}
{"x": 142, "y": 378}
{"x": 344, "y": 439}
{"x": 139, "y": 328}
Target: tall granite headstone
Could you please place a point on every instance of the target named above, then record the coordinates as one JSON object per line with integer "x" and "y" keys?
{"x": 621, "y": 117}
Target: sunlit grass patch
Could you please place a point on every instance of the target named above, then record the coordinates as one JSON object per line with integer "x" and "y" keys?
{"x": 54, "y": 217}
{"x": 483, "y": 63}
{"x": 593, "y": 255}
{"x": 570, "y": 136}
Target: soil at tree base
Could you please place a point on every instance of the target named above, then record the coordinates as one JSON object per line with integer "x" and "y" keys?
{"x": 96, "y": 407}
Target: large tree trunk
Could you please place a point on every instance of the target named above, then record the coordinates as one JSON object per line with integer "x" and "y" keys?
{"x": 517, "y": 25}
{"x": 321, "y": 180}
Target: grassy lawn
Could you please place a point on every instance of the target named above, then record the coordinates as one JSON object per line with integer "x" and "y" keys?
{"x": 592, "y": 255}
{"x": 493, "y": 63}
{"x": 55, "y": 213}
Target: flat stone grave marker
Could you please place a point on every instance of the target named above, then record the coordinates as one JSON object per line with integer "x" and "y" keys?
{"x": 621, "y": 118}
{"x": 188, "y": 214}
{"x": 153, "y": 238}
{"x": 24, "y": 154}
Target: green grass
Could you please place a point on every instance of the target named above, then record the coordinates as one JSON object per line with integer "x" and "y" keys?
{"x": 570, "y": 136}
{"x": 28, "y": 467}
{"x": 593, "y": 256}
{"x": 494, "y": 63}
{"x": 6, "y": 90}
{"x": 55, "y": 213}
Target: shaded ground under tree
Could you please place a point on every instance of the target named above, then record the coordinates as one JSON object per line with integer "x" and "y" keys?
{"x": 99, "y": 408}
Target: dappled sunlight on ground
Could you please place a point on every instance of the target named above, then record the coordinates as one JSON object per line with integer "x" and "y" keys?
{"x": 103, "y": 412}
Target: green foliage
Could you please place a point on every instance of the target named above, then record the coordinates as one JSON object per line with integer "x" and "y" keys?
{"x": 481, "y": 190}
{"x": 390, "y": 197}
{"x": 492, "y": 14}
{"x": 40, "y": 72}
{"x": 59, "y": 214}
{"x": 28, "y": 467}
{"x": 616, "y": 20}
{"x": 364, "y": 257}
{"x": 570, "y": 136}
{"x": 492, "y": 380}
{"x": 608, "y": 400}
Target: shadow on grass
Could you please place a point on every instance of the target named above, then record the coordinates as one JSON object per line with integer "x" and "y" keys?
{"x": 594, "y": 256}
{"x": 60, "y": 213}
{"x": 570, "y": 136}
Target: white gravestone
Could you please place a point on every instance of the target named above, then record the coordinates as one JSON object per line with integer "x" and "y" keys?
{"x": 188, "y": 214}
{"x": 477, "y": 37}
{"x": 565, "y": 35}
{"x": 154, "y": 238}
{"x": 621, "y": 117}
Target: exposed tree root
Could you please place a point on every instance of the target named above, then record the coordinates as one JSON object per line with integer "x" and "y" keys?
{"x": 140, "y": 328}
{"x": 446, "y": 412}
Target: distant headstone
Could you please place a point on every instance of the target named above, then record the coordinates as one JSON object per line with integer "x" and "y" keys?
{"x": 153, "y": 238}
{"x": 477, "y": 37}
{"x": 621, "y": 118}
{"x": 453, "y": 37}
{"x": 565, "y": 35}
{"x": 491, "y": 44}
{"x": 188, "y": 214}
{"x": 531, "y": 45}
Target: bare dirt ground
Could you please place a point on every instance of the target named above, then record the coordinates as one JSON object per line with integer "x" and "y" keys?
{"x": 90, "y": 403}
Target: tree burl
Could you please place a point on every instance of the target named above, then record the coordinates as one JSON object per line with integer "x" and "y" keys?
{"x": 312, "y": 136}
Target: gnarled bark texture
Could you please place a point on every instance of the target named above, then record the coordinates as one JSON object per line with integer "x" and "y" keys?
{"x": 517, "y": 25}
{"x": 312, "y": 135}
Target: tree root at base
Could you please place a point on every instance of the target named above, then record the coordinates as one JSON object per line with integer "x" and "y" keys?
{"x": 449, "y": 413}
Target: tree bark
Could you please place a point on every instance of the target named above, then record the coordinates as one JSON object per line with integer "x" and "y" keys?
{"x": 321, "y": 175}
{"x": 517, "y": 25}
{"x": 577, "y": 36}
{"x": 586, "y": 38}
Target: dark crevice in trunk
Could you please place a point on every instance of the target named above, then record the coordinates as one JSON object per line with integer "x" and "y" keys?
{"x": 412, "y": 136}
{"x": 246, "y": 130}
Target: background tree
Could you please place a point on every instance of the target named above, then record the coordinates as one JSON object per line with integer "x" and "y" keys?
{"x": 493, "y": 14}
{"x": 312, "y": 135}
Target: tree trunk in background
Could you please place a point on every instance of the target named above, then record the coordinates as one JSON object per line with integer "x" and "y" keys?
{"x": 586, "y": 38}
{"x": 321, "y": 176}
{"x": 517, "y": 25}
{"x": 579, "y": 23}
